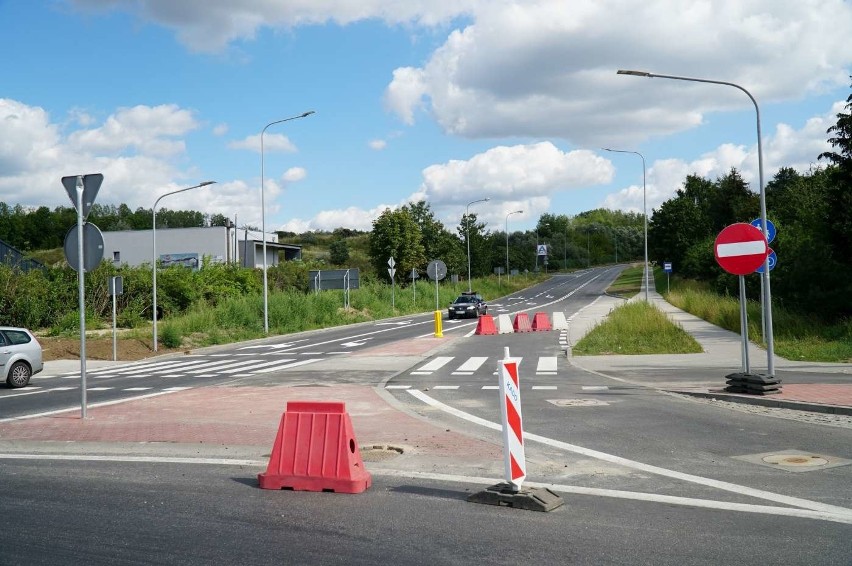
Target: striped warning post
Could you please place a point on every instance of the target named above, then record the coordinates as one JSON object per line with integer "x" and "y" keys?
{"x": 513, "y": 431}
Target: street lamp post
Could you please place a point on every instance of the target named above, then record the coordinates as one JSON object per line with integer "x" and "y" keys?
{"x": 263, "y": 217}
{"x": 154, "y": 249}
{"x": 467, "y": 236}
{"x": 644, "y": 212}
{"x": 507, "y": 238}
{"x": 767, "y": 303}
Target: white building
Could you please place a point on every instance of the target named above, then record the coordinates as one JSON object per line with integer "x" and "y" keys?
{"x": 190, "y": 246}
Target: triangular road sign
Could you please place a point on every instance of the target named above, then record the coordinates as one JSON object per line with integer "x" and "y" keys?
{"x": 91, "y": 185}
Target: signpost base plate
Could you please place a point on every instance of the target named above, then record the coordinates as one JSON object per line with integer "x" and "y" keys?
{"x": 530, "y": 499}
{"x": 752, "y": 383}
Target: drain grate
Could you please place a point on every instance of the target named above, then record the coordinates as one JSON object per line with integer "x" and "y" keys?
{"x": 379, "y": 452}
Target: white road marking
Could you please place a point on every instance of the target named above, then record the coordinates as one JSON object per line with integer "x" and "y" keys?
{"x": 595, "y": 388}
{"x": 435, "y": 364}
{"x": 546, "y": 364}
{"x": 494, "y": 387}
{"x": 25, "y": 393}
{"x": 99, "y": 388}
{"x": 140, "y": 459}
{"x": 397, "y": 386}
{"x": 472, "y": 364}
{"x": 445, "y": 387}
{"x": 559, "y": 488}
{"x": 216, "y": 366}
{"x": 286, "y": 366}
{"x": 137, "y": 389}
{"x": 544, "y": 387}
{"x": 91, "y": 406}
{"x": 257, "y": 366}
{"x": 637, "y": 496}
{"x": 707, "y": 482}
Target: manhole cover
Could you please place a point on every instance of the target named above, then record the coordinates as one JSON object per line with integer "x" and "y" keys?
{"x": 379, "y": 452}
{"x": 577, "y": 402}
{"x": 798, "y": 460}
{"x": 794, "y": 460}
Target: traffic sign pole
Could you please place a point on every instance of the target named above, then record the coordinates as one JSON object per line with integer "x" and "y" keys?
{"x": 744, "y": 325}
{"x": 392, "y": 272}
{"x": 741, "y": 249}
{"x": 81, "y": 290}
{"x": 82, "y": 190}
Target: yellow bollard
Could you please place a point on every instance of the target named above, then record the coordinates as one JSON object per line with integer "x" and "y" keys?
{"x": 438, "y": 324}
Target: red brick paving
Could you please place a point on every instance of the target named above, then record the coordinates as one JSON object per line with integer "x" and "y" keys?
{"x": 244, "y": 416}
{"x": 824, "y": 393}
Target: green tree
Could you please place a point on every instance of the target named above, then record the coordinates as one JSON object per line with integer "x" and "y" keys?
{"x": 480, "y": 255}
{"x": 396, "y": 235}
{"x": 840, "y": 186}
{"x": 438, "y": 242}
{"x": 339, "y": 251}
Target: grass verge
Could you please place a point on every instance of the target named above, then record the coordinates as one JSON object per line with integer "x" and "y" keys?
{"x": 241, "y": 318}
{"x": 636, "y": 328}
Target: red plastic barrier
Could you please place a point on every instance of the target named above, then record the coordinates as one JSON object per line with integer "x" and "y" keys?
{"x": 541, "y": 322}
{"x": 486, "y": 325}
{"x": 315, "y": 450}
{"x": 522, "y": 322}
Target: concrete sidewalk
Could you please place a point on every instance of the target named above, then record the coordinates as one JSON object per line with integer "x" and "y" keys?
{"x": 812, "y": 386}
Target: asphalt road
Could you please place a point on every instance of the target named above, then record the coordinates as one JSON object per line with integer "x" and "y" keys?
{"x": 68, "y": 513}
{"x": 647, "y": 477}
{"x": 280, "y": 359}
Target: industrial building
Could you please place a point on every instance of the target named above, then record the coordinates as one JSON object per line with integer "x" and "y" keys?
{"x": 190, "y": 247}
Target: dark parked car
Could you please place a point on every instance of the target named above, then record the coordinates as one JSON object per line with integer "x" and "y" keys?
{"x": 20, "y": 356}
{"x": 467, "y": 305}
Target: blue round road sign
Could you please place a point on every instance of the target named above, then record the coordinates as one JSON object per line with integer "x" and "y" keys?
{"x": 770, "y": 228}
{"x": 771, "y": 258}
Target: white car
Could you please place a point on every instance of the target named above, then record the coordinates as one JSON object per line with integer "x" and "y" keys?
{"x": 20, "y": 356}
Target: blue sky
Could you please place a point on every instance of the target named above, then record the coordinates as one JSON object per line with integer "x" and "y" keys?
{"x": 447, "y": 101}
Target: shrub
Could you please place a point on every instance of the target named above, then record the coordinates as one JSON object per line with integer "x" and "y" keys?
{"x": 170, "y": 336}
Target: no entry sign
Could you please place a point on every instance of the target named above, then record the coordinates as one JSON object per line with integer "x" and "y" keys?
{"x": 740, "y": 248}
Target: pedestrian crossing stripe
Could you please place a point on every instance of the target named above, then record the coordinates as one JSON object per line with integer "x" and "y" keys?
{"x": 436, "y": 364}
{"x": 546, "y": 365}
{"x": 202, "y": 368}
{"x": 483, "y": 388}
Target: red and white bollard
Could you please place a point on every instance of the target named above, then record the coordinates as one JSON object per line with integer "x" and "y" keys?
{"x": 510, "y": 494}
{"x": 515, "y": 463}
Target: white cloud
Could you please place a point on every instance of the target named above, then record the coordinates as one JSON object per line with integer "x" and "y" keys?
{"x": 145, "y": 129}
{"x": 353, "y": 217}
{"x": 786, "y": 147}
{"x": 220, "y": 129}
{"x": 294, "y": 174}
{"x": 209, "y": 26}
{"x": 378, "y": 145}
{"x": 271, "y": 142}
{"x": 538, "y": 69}
{"x": 521, "y": 177}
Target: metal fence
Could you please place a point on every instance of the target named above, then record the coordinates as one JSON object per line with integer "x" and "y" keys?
{"x": 14, "y": 258}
